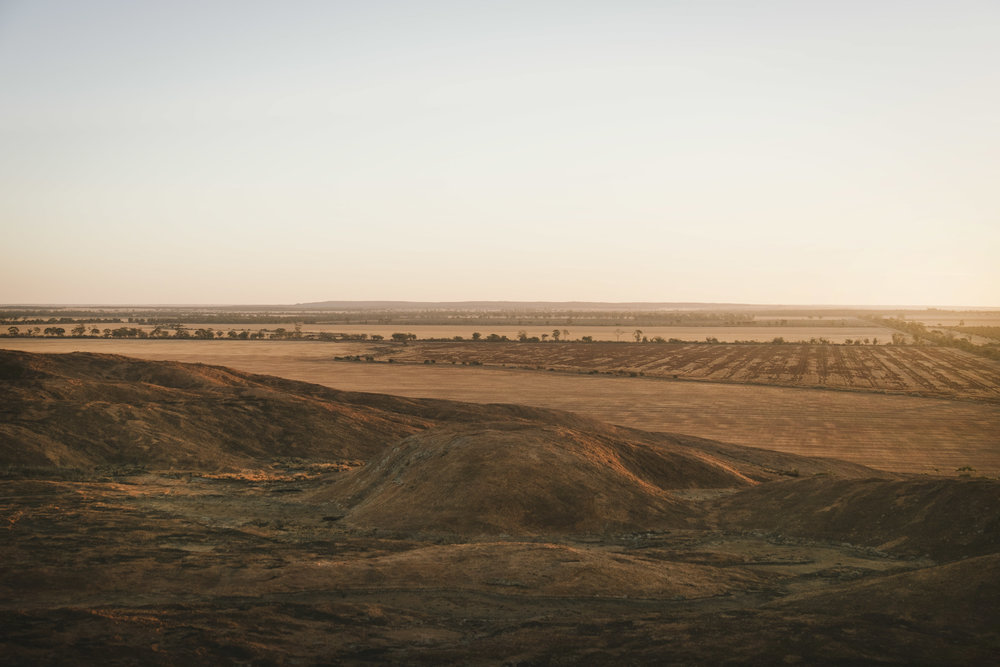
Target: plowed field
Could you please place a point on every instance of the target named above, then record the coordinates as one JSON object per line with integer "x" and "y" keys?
{"x": 923, "y": 371}
{"x": 893, "y": 432}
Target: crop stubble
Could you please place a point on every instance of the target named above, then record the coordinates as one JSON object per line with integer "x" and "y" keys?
{"x": 893, "y": 432}
{"x": 925, "y": 371}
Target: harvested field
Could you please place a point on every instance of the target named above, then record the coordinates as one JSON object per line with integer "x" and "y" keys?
{"x": 925, "y": 371}
{"x": 900, "y": 433}
{"x": 979, "y": 319}
{"x": 937, "y": 372}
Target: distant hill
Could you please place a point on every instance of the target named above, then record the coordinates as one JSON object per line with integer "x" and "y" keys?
{"x": 519, "y": 305}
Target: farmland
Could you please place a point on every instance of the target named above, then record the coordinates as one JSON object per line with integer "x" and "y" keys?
{"x": 924, "y": 371}
{"x": 168, "y": 513}
{"x": 893, "y": 432}
{"x": 599, "y": 322}
{"x": 833, "y": 332}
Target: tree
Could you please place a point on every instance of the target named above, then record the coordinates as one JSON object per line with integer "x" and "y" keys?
{"x": 79, "y": 330}
{"x": 476, "y": 335}
{"x": 637, "y": 334}
{"x": 522, "y": 335}
{"x": 13, "y": 331}
{"x": 618, "y": 334}
{"x": 555, "y": 335}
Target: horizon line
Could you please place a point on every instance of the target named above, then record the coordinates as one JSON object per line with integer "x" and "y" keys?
{"x": 389, "y": 303}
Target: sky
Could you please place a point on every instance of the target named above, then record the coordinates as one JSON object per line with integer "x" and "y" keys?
{"x": 836, "y": 152}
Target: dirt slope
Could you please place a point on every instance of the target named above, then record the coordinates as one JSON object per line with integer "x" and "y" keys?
{"x": 504, "y": 477}
{"x": 963, "y": 593}
{"x": 85, "y": 410}
{"x": 602, "y": 545}
{"x": 946, "y": 519}
{"x": 526, "y": 569}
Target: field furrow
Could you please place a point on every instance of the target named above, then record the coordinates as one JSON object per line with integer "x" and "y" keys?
{"x": 916, "y": 370}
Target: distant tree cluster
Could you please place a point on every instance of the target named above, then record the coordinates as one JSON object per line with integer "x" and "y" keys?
{"x": 923, "y": 336}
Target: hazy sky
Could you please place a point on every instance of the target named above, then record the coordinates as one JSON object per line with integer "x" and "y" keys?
{"x": 278, "y": 152}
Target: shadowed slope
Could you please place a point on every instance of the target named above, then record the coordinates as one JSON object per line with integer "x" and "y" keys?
{"x": 944, "y": 518}
{"x": 526, "y": 478}
{"x": 959, "y": 594}
{"x": 623, "y": 557}
{"x": 85, "y": 410}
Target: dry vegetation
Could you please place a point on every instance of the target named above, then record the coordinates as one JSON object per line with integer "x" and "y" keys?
{"x": 600, "y": 322}
{"x": 370, "y": 529}
{"x": 892, "y": 432}
{"x": 925, "y": 371}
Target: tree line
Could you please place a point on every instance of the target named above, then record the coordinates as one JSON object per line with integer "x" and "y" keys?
{"x": 924, "y": 336}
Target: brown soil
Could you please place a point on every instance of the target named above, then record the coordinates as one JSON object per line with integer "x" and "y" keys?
{"x": 82, "y": 410}
{"x": 471, "y": 534}
{"x": 918, "y": 371}
{"x": 539, "y": 479}
{"x": 910, "y": 517}
{"x": 887, "y": 431}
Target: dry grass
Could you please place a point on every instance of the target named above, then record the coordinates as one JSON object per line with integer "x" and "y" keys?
{"x": 924, "y": 371}
{"x": 203, "y": 571}
{"x": 472, "y": 534}
{"x": 952, "y": 320}
{"x": 899, "y": 433}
